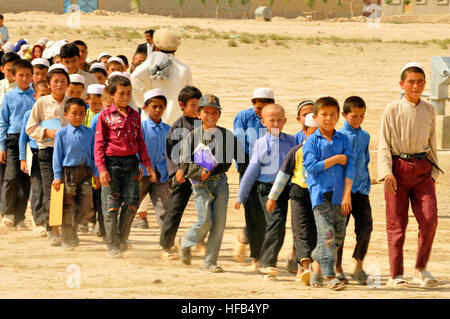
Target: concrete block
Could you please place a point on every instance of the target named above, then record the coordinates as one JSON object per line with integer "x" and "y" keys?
{"x": 443, "y": 131}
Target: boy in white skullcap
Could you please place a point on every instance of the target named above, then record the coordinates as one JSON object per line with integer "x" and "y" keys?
{"x": 103, "y": 57}
{"x": 99, "y": 71}
{"x": 76, "y": 86}
{"x": 114, "y": 64}
{"x": 40, "y": 70}
{"x": 94, "y": 99}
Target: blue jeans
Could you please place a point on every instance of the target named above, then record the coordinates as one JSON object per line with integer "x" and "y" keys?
{"x": 330, "y": 224}
{"x": 211, "y": 200}
{"x": 122, "y": 194}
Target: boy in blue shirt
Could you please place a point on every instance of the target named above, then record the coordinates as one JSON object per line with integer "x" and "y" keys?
{"x": 17, "y": 183}
{"x": 73, "y": 165}
{"x": 304, "y": 108}
{"x": 268, "y": 155}
{"x": 328, "y": 159}
{"x": 247, "y": 129}
{"x": 354, "y": 111}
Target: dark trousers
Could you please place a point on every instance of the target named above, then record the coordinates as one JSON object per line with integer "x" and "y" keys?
{"x": 362, "y": 213}
{"x": 2, "y": 195}
{"x": 275, "y": 225}
{"x": 17, "y": 183}
{"x": 255, "y": 223}
{"x": 121, "y": 198}
{"x": 77, "y": 204}
{"x": 302, "y": 222}
{"x": 45, "y": 157}
{"x": 97, "y": 217}
{"x": 179, "y": 197}
{"x": 37, "y": 193}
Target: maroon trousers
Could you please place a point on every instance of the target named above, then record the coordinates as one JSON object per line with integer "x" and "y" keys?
{"x": 414, "y": 183}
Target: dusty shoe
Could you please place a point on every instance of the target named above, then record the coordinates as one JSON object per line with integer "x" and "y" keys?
{"x": 21, "y": 226}
{"x": 291, "y": 265}
{"x": 168, "y": 254}
{"x": 8, "y": 221}
{"x": 55, "y": 240}
{"x": 239, "y": 250}
{"x": 115, "y": 253}
{"x": 41, "y": 231}
{"x": 140, "y": 223}
{"x": 84, "y": 228}
{"x": 186, "y": 255}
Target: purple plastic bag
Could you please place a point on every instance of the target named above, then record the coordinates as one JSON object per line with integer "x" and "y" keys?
{"x": 204, "y": 157}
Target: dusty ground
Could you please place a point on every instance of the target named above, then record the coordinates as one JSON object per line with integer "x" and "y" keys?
{"x": 30, "y": 268}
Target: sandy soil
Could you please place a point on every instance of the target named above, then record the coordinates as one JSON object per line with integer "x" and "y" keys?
{"x": 30, "y": 268}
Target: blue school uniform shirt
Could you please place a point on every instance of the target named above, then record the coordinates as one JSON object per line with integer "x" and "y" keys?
{"x": 24, "y": 138}
{"x": 320, "y": 180}
{"x": 248, "y": 128}
{"x": 359, "y": 141}
{"x": 14, "y": 106}
{"x": 95, "y": 120}
{"x": 155, "y": 139}
{"x": 300, "y": 137}
{"x": 268, "y": 155}
{"x": 74, "y": 146}
{"x": 4, "y": 33}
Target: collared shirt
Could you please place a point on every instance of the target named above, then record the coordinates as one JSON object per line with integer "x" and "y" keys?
{"x": 300, "y": 137}
{"x": 359, "y": 141}
{"x": 24, "y": 138}
{"x": 74, "y": 146}
{"x": 4, "y": 35}
{"x": 155, "y": 138}
{"x": 150, "y": 48}
{"x": 248, "y": 128}
{"x": 88, "y": 80}
{"x": 268, "y": 155}
{"x": 89, "y": 116}
{"x": 5, "y": 87}
{"x": 406, "y": 128}
{"x": 320, "y": 180}
{"x": 15, "y": 104}
{"x": 45, "y": 108}
{"x": 119, "y": 135}
{"x": 94, "y": 121}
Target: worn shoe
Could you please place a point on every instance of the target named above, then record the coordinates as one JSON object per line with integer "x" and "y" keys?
{"x": 55, "y": 240}
{"x": 269, "y": 271}
{"x": 8, "y": 221}
{"x": 115, "y": 253}
{"x": 239, "y": 250}
{"x": 213, "y": 268}
{"x": 141, "y": 223}
{"x": 67, "y": 247}
{"x": 84, "y": 228}
{"x": 41, "y": 231}
{"x": 186, "y": 255}
{"x": 340, "y": 276}
{"x": 291, "y": 265}
{"x": 168, "y": 254}
{"x": 21, "y": 226}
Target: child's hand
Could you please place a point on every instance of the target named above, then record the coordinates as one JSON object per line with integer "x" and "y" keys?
{"x": 179, "y": 176}
{"x": 341, "y": 159}
{"x": 56, "y": 184}
{"x": 96, "y": 182}
{"x": 24, "y": 166}
{"x": 346, "y": 205}
{"x": 390, "y": 185}
{"x": 237, "y": 205}
{"x": 104, "y": 178}
{"x": 141, "y": 172}
{"x": 3, "y": 157}
{"x": 50, "y": 133}
{"x": 151, "y": 174}
{"x": 205, "y": 174}
{"x": 270, "y": 205}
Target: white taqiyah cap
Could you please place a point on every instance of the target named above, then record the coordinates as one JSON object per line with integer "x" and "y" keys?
{"x": 153, "y": 93}
{"x": 309, "y": 120}
{"x": 58, "y": 66}
{"x": 263, "y": 93}
{"x": 95, "y": 89}
{"x": 102, "y": 55}
{"x": 89, "y": 60}
{"x": 117, "y": 73}
{"x": 8, "y": 47}
{"x": 49, "y": 44}
{"x": 42, "y": 41}
{"x": 41, "y": 61}
{"x": 24, "y": 47}
{"x": 117, "y": 59}
{"x": 412, "y": 65}
{"x": 76, "y": 78}
{"x": 97, "y": 66}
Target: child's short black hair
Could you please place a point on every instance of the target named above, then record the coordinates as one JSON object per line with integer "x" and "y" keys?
{"x": 52, "y": 73}
{"x": 150, "y": 32}
{"x": 21, "y": 64}
{"x": 69, "y": 50}
{"x": 40, "y": 66}
{"x": 9, "y": 57}
{"x": 265, "y": 101}
{"x": 72, "y": 101}
{"x": 353, "y": 101}
{"x": 412, "y": 69}
{"x": 189, "y": 92}
{"x": 77, "y": 83}
{"x": 124, "y": 59}
{"x": 158, "y": 97}
{"x": 79, "y": 42}
{"x": 115, "y": 81}
{"x": 89, "y": 95}
{"x": 1, "y": 17}
{"x": 326, "y": 101}
{"x": 95, "y": 70}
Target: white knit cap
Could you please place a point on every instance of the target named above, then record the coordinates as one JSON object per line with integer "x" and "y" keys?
{"x": 309, "y": 121}
{"x": 101, "y": 55}
{"x": 97, "y": 66}
{"x": 24, "y": 47}
{"x": 41, "y": 61}
{"x": 58, "y": 66}
{"x": 76, "y": 78}
{"x": 117, "y": 73}
{"x": 95, "y": 89}
{"x": 263, "y": 93}
{"x": 412, "y": 65}
{"x": 152, "y": 93}
{"x": 117, "y": 59}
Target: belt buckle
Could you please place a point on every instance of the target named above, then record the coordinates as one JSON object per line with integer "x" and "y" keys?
{"x": 404, "y": 156}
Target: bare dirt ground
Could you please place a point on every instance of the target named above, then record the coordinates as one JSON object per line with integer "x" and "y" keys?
{"x": 295, "y": 69}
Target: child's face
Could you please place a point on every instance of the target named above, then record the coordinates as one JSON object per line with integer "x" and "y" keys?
{"x": 258, "y": 107}
{"x": 155, "y": 109}
{"x": 106, "y": 104}
{"x": 75, "y": 90}
{"x": 274, "y": 120}
{"x": 72, "y": 64}
{"x": 327, "y": 117}
{"x": 122, "y": 96}
{"x": 209, "y": 116}
{"x": 56, "y": 60}
{"x": 95, "y": 103}
{"x": 37, "y": 52}
{"x": 39, "y": 74}
{"x": 355, "y": 117}
{"x": 7, "y": 71}
{"x": 140, "y": 57}
{"x": 310, "y": 130}
{"x": 413, "y": 85}
{"x": 190, "y": 108}
{"x": 1, "y": 22}
{"x": 23, "y": 78}
{"x": 76, "y": 114}
{"x": 303, "y": 112}
{"x": 104, "y": 59}
{"x": 58, "y": 84}
{"x": 101, "y": 78}
{"x": 115, "y": 68}
{"x": 41, "y": 91}
{"x": 83, "y": 53}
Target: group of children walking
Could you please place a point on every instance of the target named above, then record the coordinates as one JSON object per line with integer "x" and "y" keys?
{"x": 87, "y": 137}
